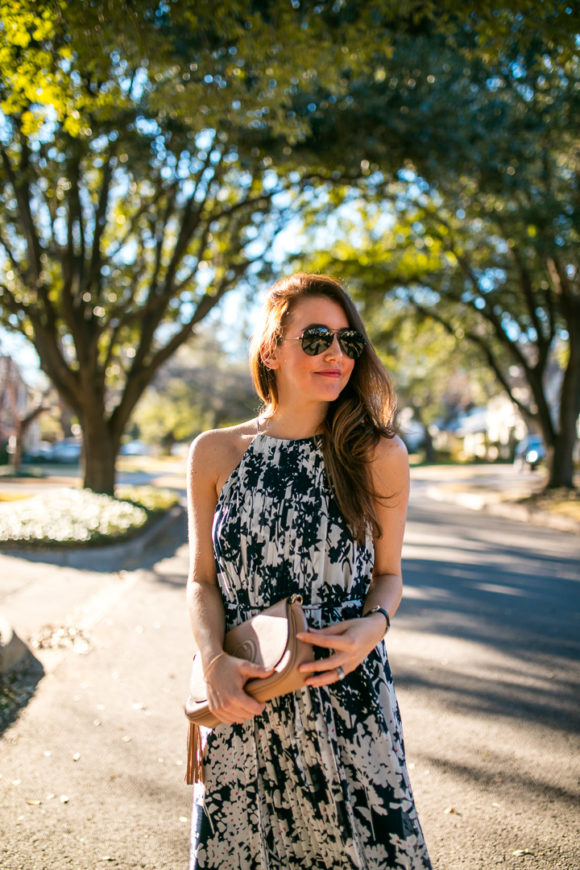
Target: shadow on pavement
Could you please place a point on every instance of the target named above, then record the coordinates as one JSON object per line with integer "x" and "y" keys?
{"x": 163, "y": 547}
{"x": 509, "y": 614}
{"x": 17, "y": 688}
{"x": 490, "y": 779}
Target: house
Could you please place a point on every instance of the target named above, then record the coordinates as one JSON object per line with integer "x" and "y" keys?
{"x": 14, "y": 405}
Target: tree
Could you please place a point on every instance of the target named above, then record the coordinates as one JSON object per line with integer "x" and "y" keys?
{"x": 132, "y": 198}
{"x": 148, "y": 153}
{"x": 201, "y": 387}
{"x": 478, "y": 229}
{"x": 427, "y": 364}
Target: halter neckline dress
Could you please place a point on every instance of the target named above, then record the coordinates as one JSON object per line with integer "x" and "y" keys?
{"x": 318, "y": 781}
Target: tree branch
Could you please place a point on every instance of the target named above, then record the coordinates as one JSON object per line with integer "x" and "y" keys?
{"x": 142, "y": 210}
{"x": 192, "y": 211}
{"x": 483, "y": 346}
{"x": 21, "y": 189}
{"x": 13, "y": 261}
{"x": 140, "y": 375}
{"x": 93, "y": 279}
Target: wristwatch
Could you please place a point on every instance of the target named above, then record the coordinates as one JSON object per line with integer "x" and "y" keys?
{"x": 382, "y": 610}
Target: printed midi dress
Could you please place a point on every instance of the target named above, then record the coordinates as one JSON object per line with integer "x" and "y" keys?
{"x": 318, "y": 781}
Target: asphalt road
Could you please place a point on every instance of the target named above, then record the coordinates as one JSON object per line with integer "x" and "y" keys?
{"x": 485, "y": 651}
{"x": 487, "y": 662}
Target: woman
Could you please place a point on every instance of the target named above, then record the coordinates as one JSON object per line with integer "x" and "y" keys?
{"x": 309, "y": 498}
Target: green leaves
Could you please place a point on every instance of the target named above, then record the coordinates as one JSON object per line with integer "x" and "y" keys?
{"x": 149, "y": 154}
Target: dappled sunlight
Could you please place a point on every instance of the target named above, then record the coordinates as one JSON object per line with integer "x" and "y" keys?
{"x": 498, "y": 589}
{"x": 444, "y": 550}
{"x": 464, "y": 676}
{"x": 488, "y": 620}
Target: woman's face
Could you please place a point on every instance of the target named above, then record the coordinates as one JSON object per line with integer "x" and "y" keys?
{"x": 318, "y": 378}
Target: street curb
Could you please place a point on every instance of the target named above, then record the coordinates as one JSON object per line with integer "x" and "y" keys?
{"x": 476, "y": 501}
{"x": 112, "y": 557}
{"x": 14, "y": 653}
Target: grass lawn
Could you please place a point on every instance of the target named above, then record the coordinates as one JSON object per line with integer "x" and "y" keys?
{"x": 563, "y": 502}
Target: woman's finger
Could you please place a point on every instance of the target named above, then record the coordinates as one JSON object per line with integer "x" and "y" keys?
{"x": 252, "y": 670}
{"x": 328, "y": 641}
{"x": 328, "y": 664}
{"x": 335, "y": 628}
{"x": 237, "y": 709}
{"x": 326, "y": 678}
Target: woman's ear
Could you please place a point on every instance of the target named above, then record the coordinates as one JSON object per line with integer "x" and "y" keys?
{"x": 269, "y": 358}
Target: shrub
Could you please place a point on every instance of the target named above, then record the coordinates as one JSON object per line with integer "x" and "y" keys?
{"x": 77, "y": 517}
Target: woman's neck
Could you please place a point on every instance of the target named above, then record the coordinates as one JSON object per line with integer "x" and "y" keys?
{"x": 288, "y": 423}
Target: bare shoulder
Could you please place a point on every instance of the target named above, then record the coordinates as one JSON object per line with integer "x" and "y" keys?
{"x": 390, "y": 465}
{"x": 214, "y": 454}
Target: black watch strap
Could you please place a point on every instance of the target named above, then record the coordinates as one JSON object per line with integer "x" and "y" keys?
{"x": 382, "y": 610}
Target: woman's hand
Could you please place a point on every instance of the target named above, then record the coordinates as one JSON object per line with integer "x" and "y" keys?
{"x": 350, "y": 641}
{"x": 225, "y": 689}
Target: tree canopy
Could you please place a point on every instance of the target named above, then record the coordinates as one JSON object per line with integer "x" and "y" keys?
{"x": 149, "y": 154}
{"x": 479, "y": 227}
{"x": 132, "y": 196}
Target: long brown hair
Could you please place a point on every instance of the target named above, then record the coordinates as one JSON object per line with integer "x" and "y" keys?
{"x": 356, "y": 420}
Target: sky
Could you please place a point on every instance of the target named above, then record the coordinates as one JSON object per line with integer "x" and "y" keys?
{"x": 23, "y": 353}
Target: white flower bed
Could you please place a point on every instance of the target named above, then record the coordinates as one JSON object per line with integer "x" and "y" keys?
{"x": 68, "y": 516}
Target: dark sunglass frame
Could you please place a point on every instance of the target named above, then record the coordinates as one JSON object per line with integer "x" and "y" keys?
{"x": 317, "y": 339}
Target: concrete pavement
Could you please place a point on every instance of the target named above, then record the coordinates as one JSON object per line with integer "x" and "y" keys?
{"x": 485, "y": 655}
{"x": 494, "y": 489}
{"x": 47, "y": 590}
{"x": 33, "y": 594}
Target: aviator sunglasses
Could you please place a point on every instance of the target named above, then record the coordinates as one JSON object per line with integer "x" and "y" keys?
{"x": 317, "y": 339}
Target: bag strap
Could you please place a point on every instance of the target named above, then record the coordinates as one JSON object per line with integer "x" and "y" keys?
{"x": 194, "y": 767}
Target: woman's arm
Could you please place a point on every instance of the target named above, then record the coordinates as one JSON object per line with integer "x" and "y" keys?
{"x": 353, "y": 639}
{"x": 390, "y": 477}
{"x": 204, "y": 601}
{"x": 225, "y": 675}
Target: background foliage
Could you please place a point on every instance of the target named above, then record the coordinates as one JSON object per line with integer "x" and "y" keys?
{"x": 151, "y": 153}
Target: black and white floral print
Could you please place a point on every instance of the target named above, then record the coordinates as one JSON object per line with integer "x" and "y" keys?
{"x": 318, "y": 781}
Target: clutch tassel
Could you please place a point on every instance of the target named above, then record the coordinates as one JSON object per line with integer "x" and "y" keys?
{"x": 194, "y": 770}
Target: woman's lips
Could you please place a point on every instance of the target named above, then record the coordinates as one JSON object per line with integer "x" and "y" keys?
{"x": 329, "y": 373}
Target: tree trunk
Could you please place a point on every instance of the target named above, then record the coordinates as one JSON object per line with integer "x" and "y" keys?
{"x": 430, "y": 455}
{"x": 21, "y": 428}
{"x": 100, "y": 448}
{"x": 561, "y": 461}
{"x": 16, "y": 460}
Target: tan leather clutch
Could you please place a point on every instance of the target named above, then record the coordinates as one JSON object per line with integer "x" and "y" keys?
{"x": 269, "y": 639}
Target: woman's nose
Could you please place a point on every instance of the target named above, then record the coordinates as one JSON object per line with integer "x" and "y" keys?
{"x": 334, "y": 350}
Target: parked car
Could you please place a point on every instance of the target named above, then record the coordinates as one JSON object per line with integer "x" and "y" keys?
{"x": 41, "y": 453}
{"x": 413, "y": 434}
{"x": 67, "y": 450}
{"x": 529, "y": 453}
{"x": 134, "y": 448}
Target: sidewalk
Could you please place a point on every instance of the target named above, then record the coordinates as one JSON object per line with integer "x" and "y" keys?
{"x": 47, "y": 592}
{"x": 68, "y": 587}
{"x": 494, "y": 489}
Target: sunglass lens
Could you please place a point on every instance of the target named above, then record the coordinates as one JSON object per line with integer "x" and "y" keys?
{"x": 352, "y": 343}
{"x": 316, "y": 340}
